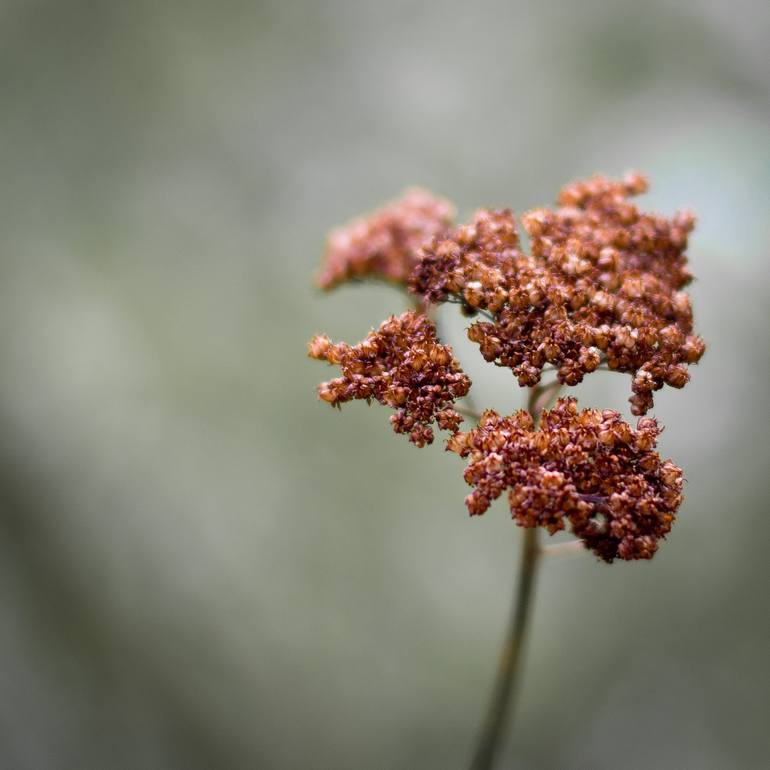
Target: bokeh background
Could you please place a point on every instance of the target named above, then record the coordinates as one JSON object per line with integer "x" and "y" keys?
{"x": 201, "y": 566}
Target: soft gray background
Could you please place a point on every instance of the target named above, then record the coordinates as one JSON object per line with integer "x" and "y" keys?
{"x": 203, "y": 567}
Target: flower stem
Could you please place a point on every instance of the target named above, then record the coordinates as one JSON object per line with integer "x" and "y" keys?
{"x": 493, "y": 731}
{"x": 500, "y": 707}
{"x": 563, "y": 549}
{"x": 468, "y": 411}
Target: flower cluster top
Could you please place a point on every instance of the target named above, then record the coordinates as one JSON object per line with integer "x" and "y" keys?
{"x": 402, "y": 365}
{"x": 386, "y": 243}
{"x": 603, "y": 285}
{"x": 589, "y": 471}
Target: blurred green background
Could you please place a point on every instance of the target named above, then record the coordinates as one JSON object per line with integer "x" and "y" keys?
{"x": 201, "y": 566}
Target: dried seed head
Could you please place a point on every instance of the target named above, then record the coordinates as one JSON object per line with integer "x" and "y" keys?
{"x": 587, "y": 471}
{"x": 385, "y": 244}
{"x": 402, "y": 365}
{"x": 604, "y": 283}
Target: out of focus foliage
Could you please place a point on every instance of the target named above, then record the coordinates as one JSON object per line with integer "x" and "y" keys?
{"x": 201, "y": 566}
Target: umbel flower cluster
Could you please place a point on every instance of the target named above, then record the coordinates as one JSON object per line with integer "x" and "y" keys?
{"x": 602, "y": 288}
{"x": 603, "y": 285}
{"x": 385, "y": 244}
{"x": 401, "y": 365}
{"x": 589, "y": 471}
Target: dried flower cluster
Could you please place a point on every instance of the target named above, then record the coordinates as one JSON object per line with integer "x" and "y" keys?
{"x": 603, "y": 285}
{"x": 402, "y": 365}
{"x": 587, "y": 470}
{"x": 385, "y": 244}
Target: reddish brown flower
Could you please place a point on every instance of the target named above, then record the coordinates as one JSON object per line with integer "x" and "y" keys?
{"x": 384, "y": 245}
{"x": 402, "y": 365}
{"x": 603, "y": 285}
{"x": 589, "y": 471}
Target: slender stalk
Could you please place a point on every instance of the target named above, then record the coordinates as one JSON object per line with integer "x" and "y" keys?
{"x": 569, "y": 548}
{"x": 499, "y": 711}
{"x": 500, "y": 708}
{"x": 468, "y": 411}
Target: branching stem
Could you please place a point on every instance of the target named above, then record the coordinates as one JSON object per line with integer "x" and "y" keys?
{"x": 468, "y": 411}
{"x": 563, "y": 549}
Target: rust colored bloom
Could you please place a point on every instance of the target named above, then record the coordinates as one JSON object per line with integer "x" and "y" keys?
{"x": 402, "y": 365}
{"x": 587, "y": 470}
{"x": 385, "y": 243}
{"x": 603, "y": 285}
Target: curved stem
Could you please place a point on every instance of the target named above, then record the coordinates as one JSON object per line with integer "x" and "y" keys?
{"x": 500, "y": 707}
{"x": 493, "y": 731}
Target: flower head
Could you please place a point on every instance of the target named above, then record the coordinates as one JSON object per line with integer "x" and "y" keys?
{"x": 385, "y": 243}
{"x": 587, "y": 470}
{"x": 603, "y": 285}
{"x": 402, "y": 365}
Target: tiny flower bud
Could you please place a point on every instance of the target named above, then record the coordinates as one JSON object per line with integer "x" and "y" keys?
{"x": 318, "y": 346}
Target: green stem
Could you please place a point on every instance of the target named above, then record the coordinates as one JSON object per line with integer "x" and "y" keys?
{"x": 500, "y": 707}
{"x": 499, "y": 712}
